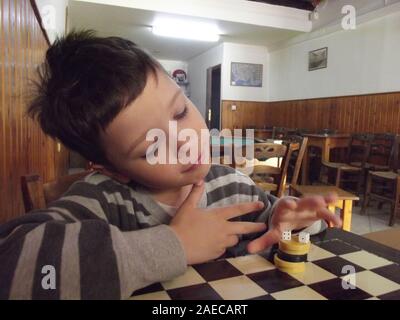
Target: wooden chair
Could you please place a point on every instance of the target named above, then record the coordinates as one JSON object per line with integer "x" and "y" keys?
{"x": 384, "y": 186}
{"x": 381, "y": 152}
{"x": 270, "y": 178}
{"x": 300, "y": 146}
{"x": 353, "y": 170}
{"x": 279, "y": 133}
{"x": 37, "y": 195}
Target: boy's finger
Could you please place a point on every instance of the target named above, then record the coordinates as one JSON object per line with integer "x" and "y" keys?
{"x": 266, "y": 240}
{"x": 286, "y": 204}
{"x": 326, "y": 215}
{"x": 331, "y": 198}
{"x": 194, "y": 196}
{"x": 246, "y": 227}
{"x": 239, "y": 209}
{"x": 311, "y": 203}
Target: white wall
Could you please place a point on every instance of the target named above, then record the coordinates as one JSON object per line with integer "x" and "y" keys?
{"x": 171, "y": 65}
{"x": 53, "y": 13}
{"x": 247, "y": 54}
{"x": 197, "y": 75}
{"x": 362, "y": 61}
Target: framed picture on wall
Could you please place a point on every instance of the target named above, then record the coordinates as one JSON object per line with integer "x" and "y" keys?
{"x": 246, "y": 74}
{"x": 318, "y": 59}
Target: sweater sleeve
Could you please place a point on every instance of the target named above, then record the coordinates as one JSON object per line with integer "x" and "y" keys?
{"x": 74, "y": 252}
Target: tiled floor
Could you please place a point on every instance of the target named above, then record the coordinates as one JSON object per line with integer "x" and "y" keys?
{"x": 374, "y": 220}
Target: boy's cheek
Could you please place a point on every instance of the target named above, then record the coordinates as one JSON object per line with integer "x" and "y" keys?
{"x": 168, "y": 176}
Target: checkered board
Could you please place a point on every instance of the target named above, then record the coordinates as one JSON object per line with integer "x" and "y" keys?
{"x": 256, "y": 277}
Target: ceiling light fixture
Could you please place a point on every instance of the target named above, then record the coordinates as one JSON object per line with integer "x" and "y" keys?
{"x": 184, "y": 29}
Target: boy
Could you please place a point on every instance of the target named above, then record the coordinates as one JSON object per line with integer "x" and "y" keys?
{"x": 132, "y": 223}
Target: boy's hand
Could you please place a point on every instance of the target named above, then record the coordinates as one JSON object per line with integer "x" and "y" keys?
{"x": 206, "y": 233}
{"x": 293, "y": 215}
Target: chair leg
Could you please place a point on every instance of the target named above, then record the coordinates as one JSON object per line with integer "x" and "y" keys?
{"x": 395, "y": 205}
{"x": 366, "y": 195}
{"x": 360, "y": 182}
{"x": 338, "y": 178}
{"x": 322, "y": 171}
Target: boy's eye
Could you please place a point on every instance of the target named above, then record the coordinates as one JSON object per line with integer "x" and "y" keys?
{"x": 182, "y": 114}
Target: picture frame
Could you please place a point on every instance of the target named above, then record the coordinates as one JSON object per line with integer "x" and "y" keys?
{"x": 246, "y": 74}
{"x": 318, "y": 59}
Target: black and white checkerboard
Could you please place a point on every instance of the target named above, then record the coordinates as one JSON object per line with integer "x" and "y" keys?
{"x": 255, "y": 277}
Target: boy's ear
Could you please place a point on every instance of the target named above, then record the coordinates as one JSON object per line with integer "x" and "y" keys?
{"x": 111, "y": 173}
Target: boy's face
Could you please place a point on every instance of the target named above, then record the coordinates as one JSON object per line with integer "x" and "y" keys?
{"x": 124, "y": 140}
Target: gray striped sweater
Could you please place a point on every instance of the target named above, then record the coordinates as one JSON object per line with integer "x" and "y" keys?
{"x": 106, "y": 239}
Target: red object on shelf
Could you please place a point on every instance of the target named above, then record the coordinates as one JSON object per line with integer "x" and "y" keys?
{"x": 179, "y": 75}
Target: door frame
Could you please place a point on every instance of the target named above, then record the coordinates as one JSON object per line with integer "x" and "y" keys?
{"x": 209, "y": 93}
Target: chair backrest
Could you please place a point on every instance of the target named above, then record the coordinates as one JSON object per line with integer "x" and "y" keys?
{"x": 299, "y": 149}
{"x": 259, "y": 173}
{"x": 266, "y": 150}
{"x": 382, "y": 148}
{"x": 261, "y": 151}
{"x": 395, "y": 161}
{"x": 359, "y": 148}
{"x": 37, "y": 195}
{"x": 278, "y": 133}
{"x": 291, "y": 148}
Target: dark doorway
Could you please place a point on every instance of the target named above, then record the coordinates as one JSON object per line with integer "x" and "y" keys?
{"x": 213, "y": 113}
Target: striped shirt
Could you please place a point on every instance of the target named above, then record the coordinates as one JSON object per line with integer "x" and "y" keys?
{"x": 105, "y": 239}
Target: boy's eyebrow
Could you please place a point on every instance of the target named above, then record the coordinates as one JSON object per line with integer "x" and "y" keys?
{"x": 142, "y": 136}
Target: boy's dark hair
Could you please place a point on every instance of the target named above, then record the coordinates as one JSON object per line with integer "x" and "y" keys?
{"x": 84, "y": 83}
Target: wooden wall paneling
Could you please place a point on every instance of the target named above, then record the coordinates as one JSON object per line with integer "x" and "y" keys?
{"x": 363, "y": 113}
{"x": 24, "y": 148}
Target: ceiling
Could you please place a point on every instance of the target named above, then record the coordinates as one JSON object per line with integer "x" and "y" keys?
{"x": 135, "y": 24}
{"x": 299, "y": 4}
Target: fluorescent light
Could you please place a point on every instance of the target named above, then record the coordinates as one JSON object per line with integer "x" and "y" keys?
{"x": 184, "y": 29}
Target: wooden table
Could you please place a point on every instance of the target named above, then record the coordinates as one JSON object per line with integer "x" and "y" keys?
{"x": 344, "y": 203}
{"x": 376, "y": 270}
{"x": 325, "y": 142}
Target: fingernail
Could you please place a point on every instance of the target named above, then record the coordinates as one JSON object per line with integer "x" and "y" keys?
{"x": 261, "y": 204}
{"x": 199, "y": 183}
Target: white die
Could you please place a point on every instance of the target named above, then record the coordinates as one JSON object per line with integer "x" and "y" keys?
{"x": 304, "y": 237}
{"x": 287, "y": 235}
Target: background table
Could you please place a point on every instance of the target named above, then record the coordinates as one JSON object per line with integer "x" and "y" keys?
{"x": 344, "y": 202}
{"x": 255, "y": 277}
{"x": 325, "y": 142}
